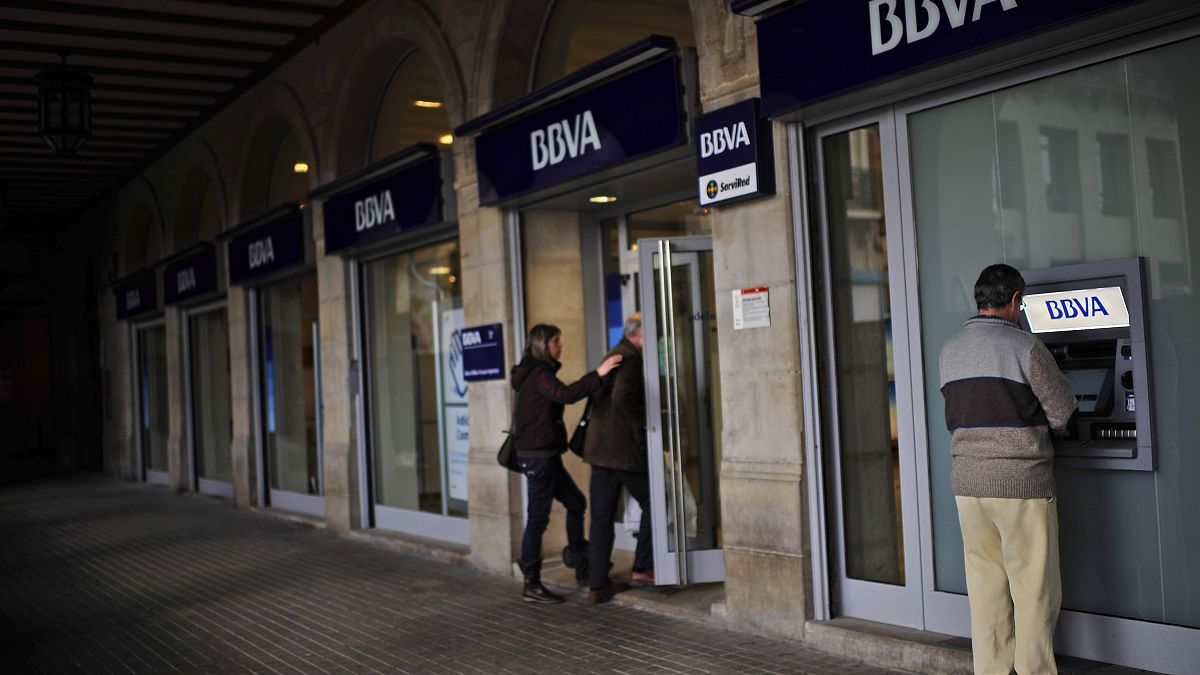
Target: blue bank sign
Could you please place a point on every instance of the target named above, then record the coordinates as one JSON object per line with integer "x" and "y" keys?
{"x": 267, "y": 248}
{"x": 607, "y": 125}
{"x": 137, "y": 294}
{"x": 734, "y": 154}
{"x": 409, "y": 197}
{"x": 483, "y": 353}
{"x": 821, "y": 47}
{"x": 190, "y": 276}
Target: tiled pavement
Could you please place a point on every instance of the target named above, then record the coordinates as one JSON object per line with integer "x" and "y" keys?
{"x": 98, "y": 577}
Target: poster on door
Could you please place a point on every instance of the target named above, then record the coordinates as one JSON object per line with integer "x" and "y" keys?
{"x": 454, "y": 381}
{"x": 458, "y": 445}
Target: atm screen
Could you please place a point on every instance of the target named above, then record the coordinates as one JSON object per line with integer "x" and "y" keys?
{"x": 1088, "y": 387}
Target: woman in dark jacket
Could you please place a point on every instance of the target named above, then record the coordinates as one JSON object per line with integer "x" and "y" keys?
{"x": 541, "y": 440}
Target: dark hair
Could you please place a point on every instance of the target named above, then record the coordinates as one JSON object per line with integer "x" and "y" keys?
{"x": 996, "y": 285}
{"x": 539, "y": 339}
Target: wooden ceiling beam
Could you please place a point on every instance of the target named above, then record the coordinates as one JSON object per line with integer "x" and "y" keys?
{"x": 109, "y": 12}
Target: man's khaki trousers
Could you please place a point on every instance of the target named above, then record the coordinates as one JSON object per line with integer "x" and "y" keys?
{"x": 1013, "y": 582}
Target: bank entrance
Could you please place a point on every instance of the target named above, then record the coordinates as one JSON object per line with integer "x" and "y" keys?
{"x": 1080, "y": 165}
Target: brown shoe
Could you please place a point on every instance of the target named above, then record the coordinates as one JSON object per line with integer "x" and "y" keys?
{"x": 602, "y": 595}
{"x": 645, "y": 578}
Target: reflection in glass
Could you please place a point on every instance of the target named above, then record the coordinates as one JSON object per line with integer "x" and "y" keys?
{"x": 680, "y": 219}
{"x": 288, "y": 314}
{"x": 1140, "y": 116}
{"x": 211, "y": 416}
{"x": 152, "y": 373}
{"x": 418, "y": 397}
{"x": 867, "y": 441}
{"x": 697, "y": 386}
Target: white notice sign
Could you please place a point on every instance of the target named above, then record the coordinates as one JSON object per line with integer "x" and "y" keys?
{"x": 751, "y": 308}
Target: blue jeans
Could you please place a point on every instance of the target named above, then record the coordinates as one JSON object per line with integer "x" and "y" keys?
{"x": 548, "y": 480}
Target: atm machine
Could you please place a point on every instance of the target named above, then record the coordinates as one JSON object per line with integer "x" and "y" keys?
{"x": 1092, "y": 317}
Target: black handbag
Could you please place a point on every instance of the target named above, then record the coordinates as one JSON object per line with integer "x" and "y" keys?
{"x": 507, "y": 457}
{"x": 579, "y": 436}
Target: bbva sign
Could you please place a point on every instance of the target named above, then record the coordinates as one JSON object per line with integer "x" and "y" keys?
{"x": 915, "y": 27}
{"x": 567, "y": 138}
{"x": 722, "y": 139}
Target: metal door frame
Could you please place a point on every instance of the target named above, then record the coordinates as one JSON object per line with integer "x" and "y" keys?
{"x": 151, "y": 476}
{"x": 888, "y": 603}
{"x": 313, "y": 505}
{"x": 670, "y": 568}
{"x": 439, "y": 526}
{"x": 194, "y": 481}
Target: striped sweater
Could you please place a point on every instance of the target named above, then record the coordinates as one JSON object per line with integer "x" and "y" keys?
{"x": 1003, "y": 392}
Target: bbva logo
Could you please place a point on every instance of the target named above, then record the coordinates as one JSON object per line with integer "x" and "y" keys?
{"x": 722, "y": 139}
{"x": 373, "y": 210}
{"x": 910, "y": 29}
{"x": 261, "y": 252}
{"x": 567, "y": 138}
{"x": 1070, "y": 308}
{"x": 185, "y": 280}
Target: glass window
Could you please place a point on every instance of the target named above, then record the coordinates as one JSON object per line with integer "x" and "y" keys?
{"x": 152, "y": 375}
{"x": 1138, "y": 527}
{"x": 212, "y": 421}
{"x": 288, "y": 317}
{"x": 579, "y": 32}
{"x": 1114, "y": 167}
{"x": 418, "y": 397}
{"x": 412, "y": 109}
{"x": 867, "y": 439}
{"x": 681, "y": 219}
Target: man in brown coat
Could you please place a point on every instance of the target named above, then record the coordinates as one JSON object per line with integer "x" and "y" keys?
{"x": 616, "y": 449}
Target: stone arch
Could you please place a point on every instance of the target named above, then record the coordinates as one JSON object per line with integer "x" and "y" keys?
{"x": 532, "y": 31}
{"x": 198, "y": 211}
{"x": 508, "y": 50}
{"x": 281, "y": 113}
{"x": 397, "y": 28}
{"x": 141, "y": 227}
{"x": 205, "y": 171}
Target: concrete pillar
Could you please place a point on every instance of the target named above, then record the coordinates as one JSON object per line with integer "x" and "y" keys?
{"x": 178, "y": 461}
{"x": 340, "y": 461}
{"x": 243, "y": 447}
{"x": 553, "y": 259}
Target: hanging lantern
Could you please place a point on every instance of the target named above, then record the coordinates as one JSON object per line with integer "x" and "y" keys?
{"x": 64, "y": 108}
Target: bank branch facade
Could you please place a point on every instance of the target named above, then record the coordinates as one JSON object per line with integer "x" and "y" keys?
{"x": 797, "y": 196}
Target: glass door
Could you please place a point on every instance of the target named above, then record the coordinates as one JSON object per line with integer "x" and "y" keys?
{"x": 151, "y": 350}
{"x": 875, "y": 564}
{"x": 683, "y": 408}
{"x": 209, "y": 400}
{"x": 291, "y": 383}
{"x": 417, "y": 414}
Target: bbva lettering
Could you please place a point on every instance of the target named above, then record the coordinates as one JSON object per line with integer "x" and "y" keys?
{"x": 568, "y": 138}
{"x": 185, "y": 280}
{"x": 470, "y": 338}
{"x": 1070, "y": 308}
{"x": 723, "y": 138}
{"x": 133, "y": 299}
{"x": 910, "y": 29}
{"x": 373, "y": 210}
{"x": 261, "y": 253}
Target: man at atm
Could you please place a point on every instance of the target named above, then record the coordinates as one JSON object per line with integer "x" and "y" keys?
{"x": 1003, "y": 393}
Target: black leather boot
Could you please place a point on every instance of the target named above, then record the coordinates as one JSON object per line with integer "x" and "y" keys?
{"x": 534, "y": 590}
{"x": 577, "y": 561}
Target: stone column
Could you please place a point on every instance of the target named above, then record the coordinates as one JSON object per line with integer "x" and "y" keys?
{"x": 120, "y": 449}
{"x": 243, "y": 446}
{"x": 762, "y": 481}
{"x": 340, "y": 461}
{"x": 494, "y": 492}
{"x": 553, "y": 259}
{"x": 178, "y": 459}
